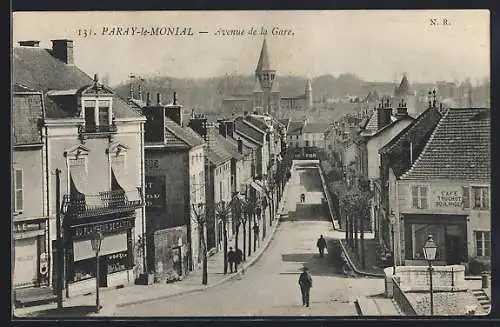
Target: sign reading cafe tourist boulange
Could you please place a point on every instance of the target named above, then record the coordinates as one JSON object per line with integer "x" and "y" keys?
{"x": 447, "y": 198}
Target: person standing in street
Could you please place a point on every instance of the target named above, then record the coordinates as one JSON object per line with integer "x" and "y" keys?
{"x": 238, "y": 258}
{"x": 231, "y": 259}
{"x": 305, "y": 283}
{"x": 321, "y": 244}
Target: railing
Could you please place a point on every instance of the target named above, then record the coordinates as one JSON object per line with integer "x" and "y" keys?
{"x": 96, "y": 129}
{"x": 86, "y": 205}
{"x": 401, "y": 299}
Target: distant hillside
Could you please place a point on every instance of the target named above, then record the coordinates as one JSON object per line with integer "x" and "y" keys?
{"x": 206, "y": 94}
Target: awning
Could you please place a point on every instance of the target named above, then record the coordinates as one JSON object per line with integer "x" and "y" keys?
{"x": 78, "y": 178}
{"x": 123, "y": 181}
{"x": 258, "y": 188}
{"x": 110, "y": 244}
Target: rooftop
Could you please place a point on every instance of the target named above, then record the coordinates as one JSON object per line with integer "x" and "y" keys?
{"x": 458, "y": 149}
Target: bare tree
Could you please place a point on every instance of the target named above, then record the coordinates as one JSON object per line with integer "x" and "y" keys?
{"x": 223, "y": 210}
{"x": 200, "y": 218}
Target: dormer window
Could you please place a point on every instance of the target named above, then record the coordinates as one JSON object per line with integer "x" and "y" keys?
{"x": 97, "y": 112}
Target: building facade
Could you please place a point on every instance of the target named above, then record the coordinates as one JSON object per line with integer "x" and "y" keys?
{"x": 95, "y": 140}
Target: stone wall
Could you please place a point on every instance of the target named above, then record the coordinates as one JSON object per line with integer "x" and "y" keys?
{"x": 444, "y": 278}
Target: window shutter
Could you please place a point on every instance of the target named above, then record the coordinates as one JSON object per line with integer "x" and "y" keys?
{"x": 423, "y": 197}
{"x": 19, "y": 190}
{"x": 485, "y": 198}
{"x": 414, "y": 196}
{"x": 465, "y": 197}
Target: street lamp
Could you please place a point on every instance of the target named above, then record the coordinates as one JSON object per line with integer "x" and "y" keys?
{"x": 96, "y": 246}
{"x": 430, "y": 249}
{"x": 392, "y": 218}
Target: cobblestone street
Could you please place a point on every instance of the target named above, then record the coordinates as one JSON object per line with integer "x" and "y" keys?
{"x": 270, "y": 287}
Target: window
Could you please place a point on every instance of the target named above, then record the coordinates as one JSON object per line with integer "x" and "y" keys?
{"x": 18, "y": 189}
{"x": 465, "y": 197}
{"x": 419, "y": 197}
{"x": 481, "y": 197}
{"x": 90, "y": 112}
{"x": 101, "y": 108}
{"x": 483, "y": 243}
{"x": 104, "y": 113}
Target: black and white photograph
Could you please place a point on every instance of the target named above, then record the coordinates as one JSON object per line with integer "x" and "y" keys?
{"x": 322, "y": 163}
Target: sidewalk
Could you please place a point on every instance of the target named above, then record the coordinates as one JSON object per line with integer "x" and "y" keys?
{"x": 111, "y": 299}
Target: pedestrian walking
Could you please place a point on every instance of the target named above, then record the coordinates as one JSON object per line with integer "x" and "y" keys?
{"x": 305, "y": 283}
{"x": 238, "y": 258}
{"x": 302, "y": 198}
{"x": 321, "y": 244}
{"x": 256, "y": 241}
{"x": 231, "y": 259}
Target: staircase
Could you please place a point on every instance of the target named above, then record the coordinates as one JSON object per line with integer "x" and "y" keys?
{"x": 31, "y": 296}
{"x": 483, "y": 299}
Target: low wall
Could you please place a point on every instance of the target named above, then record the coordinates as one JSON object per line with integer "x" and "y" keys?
{"x": 444, "y": 278}
{"x": 328, "y": 199}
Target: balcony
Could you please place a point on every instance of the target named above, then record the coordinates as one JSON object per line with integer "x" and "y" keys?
{"x": 92, "y": 130}
{"x": 103, "y": 203}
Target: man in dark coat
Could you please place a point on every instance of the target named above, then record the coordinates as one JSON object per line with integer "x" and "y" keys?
{"x": 321, "y": 244}
{"x": 238, "y": 258}
{"x": 231, "y": 259}
{"x": 305, "y": 282}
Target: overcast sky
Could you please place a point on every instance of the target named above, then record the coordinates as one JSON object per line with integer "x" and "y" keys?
{"x": 375, "y": 45}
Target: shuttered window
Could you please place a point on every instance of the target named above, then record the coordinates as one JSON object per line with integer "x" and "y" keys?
{"x": 465, "y": 197}
{"x": 19, "y": 193}
{"x": 419, "y": 197}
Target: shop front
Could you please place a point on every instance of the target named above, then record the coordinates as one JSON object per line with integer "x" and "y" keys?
{"x": 115, "y": 257}
{"x": 448, "y": 231}
{"x": 31, "y": 265}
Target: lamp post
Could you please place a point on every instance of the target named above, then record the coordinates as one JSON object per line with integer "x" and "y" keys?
{"x": 430, "y": 249}
{"x": 96, "y": 246}
{"x": 392, "y": 218}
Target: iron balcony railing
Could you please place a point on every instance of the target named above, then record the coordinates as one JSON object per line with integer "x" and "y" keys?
{"x": 103, "y": 203}
{"x": 96, "y": 129}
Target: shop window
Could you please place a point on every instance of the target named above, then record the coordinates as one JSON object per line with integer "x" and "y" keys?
{"x": 18, "y": 188}
{"x": 480, "y": 196}
{"x": 419, "y": 197}
{"x": 483, "y": 243}
{"x": 84, "y": 269}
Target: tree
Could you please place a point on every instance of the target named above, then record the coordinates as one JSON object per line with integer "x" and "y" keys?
{"x": 355, "y": 204}
{"x": 200, "y": 218}
{"x": 239, "y": 213}
{"x": 223, "y": 210}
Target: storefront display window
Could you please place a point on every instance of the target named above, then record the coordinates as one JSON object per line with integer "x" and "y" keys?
{"x": 420, "y": 232}
{"x": 84, "y": 269}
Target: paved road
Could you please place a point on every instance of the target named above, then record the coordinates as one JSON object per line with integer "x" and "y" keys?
{"x": 270, "y": 286}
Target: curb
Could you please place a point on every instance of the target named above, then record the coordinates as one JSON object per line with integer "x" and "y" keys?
{"x": 200, "y": 289}
{"x": 356, "y": 270}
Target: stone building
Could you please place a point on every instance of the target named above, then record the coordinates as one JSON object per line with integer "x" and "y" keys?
{"x": 96, "y": 140}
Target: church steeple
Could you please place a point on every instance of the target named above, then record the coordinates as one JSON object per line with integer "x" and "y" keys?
{"x": 264, "y": 71}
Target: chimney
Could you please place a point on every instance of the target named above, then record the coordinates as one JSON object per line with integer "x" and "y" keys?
{"x": 63, "y": 50}
{"x": 140, "y": 92}
{"x": 34, "y": 44}
{"x": 199, "y": 125}
{"x": 384, "y": 112}
{"x": 402, "y": 110}
{"x": 174, "y": 111}
{"x": 148, "y": 99}
{"x": 240, "y": 146}
{"x": 229, "y": 128}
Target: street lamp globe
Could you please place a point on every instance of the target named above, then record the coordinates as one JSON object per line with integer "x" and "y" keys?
{"x": 430, "y": 249}
{"x": 96, "y": 241}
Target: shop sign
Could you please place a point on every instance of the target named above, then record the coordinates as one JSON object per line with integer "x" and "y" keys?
{"x": 106, "y": 227}
{"x": 447, "y": 198}
{"x": 155, "y": 191}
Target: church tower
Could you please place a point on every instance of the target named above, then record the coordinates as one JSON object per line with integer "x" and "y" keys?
{"x": 309, "y": 95}
{"x": 266, "y": 75}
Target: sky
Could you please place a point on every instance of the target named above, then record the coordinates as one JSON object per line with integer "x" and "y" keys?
{"x": 374, "y": 45}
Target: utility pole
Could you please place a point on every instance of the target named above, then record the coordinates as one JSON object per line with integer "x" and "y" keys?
{"x": 59, "y": 241}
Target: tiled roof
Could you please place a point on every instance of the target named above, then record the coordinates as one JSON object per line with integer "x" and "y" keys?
{"x": 295, "y": 128}
{"x": 257, "y": 122}
{"x": 284, "y": 122}
{"x": 315, "y": 127}
{"x": 458, "y": 149}
{"x": 372, "y": 123}
{"x": 230, "y": 146}
{"x": 216, "y": 153}
{"x": 186, "y": 134}
{"x": 26, "y": 112}
{"x": 418, "y": 133}
{"x": 37, "y": 69}
{"x": 241, "y": 127}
